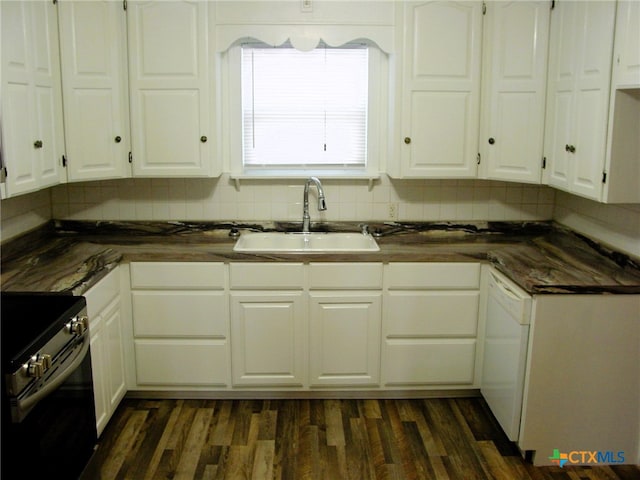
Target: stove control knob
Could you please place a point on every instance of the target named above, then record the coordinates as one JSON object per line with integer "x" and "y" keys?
{"x": 35, "y": 368}
{"x": 78, "y": 325}
{"x": 45, "y": 359}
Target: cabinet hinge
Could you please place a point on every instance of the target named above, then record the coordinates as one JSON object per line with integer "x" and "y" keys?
{"x": 130, "y": 158}
{"x": 3, "y": 174}
{"x": 478, "y": 158}
{"x": 553, "y": 4}
{"x": 544, "y": 162}
{"x": 64, "y": 161}
{"x": 55, "y": 2}
{"x": 484, "y": 8}
{"x": 124, "y": 4}
{"x": 604, "y": 177}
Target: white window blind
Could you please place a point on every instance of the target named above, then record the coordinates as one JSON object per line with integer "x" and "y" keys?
{"x": 304, "y": 109}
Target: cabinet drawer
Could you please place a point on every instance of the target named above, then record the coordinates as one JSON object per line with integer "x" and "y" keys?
{"x": 177, "y": 275}
{"x": 424, "y": 362}
{"x": 182, "y": 362}
{"x": 180, "y": 314}
{"x": 431, "y": 314}
{"x": 102, "y": 293}
{"x": 436, "y": 276}
{"x": 267, "y": 275}
{"x": 345, "y": 275}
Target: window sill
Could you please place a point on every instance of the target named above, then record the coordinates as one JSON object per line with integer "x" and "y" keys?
{"x": 304, "y": 174}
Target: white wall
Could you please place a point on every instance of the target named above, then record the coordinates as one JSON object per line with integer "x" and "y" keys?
{"x": 615, "y": 225}
{"x": 218, "y": 199}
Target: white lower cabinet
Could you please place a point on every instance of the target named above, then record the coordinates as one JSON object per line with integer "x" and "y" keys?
{"x": 180, "y": 321}
{"x": 291, "y": 326}
{"x": 268, "y": 338}
{"x": 430, "y": 324}
{"x": 268, "y": 324}
{"x": 107, "y": 360}
{"x": 345, "y": 313}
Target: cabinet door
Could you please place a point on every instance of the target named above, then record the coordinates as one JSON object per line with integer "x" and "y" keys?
{"x": 96, "y": 106}
{"x": 578, "y": 100}
{"x": 344, "y": 332}
{"x": 441, "y": 89}
{"x": 99, "y": 372}
{"x": 626, "y": 65}
{"x": 32, "y": 99}
{"x": 114, "y": 355}
{"x": 514, "y": 78}
{"x": 268, "y": 338}
{"x": 168, "y": 75}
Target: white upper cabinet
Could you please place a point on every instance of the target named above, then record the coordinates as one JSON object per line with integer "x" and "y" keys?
{"x": 622, "y": 165}
{"x": 439, "y": 78}
{"x": 626, "y": 65}
{"x": 170, "y": 88}
{"x": 32, "y": 128}
{"x": 513, "y": 94}
{"x": 580, "y": 56}
{"x": 93, "y": 53}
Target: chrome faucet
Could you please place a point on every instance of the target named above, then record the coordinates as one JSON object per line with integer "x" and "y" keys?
{"x": 322, "y": 205}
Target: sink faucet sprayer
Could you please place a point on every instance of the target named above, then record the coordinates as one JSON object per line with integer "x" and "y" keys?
{"x": 322, "y": 205}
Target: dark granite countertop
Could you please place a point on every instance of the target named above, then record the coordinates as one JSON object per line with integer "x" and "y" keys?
{"x": 539, "y": 256}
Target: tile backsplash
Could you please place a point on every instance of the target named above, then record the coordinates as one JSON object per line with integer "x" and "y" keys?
{"x": 388, "y": 200}
{"x": 260, "y": 200}
{"x": 614, "y": 225}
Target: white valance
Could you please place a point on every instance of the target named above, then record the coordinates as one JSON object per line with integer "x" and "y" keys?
{"x": 306, "y": 37}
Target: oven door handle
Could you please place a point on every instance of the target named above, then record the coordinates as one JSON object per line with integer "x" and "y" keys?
{"x": 28, "y": 403}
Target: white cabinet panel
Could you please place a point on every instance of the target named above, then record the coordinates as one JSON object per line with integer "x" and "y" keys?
{"x": 431, "y": 314}
{"x": 180, "y": 314}
{"x": 440, "y": 81}
{"x": 514, "y": 86}
{"x": 107, "y": 346}
{"x": 626, "y": 64}
{"x": 432, "y": 275}
{"x": 578, "y": 99}
{"x": 274, "y": 275}
{"x": 32, "y": 124}
{"x": 180, "y": 324}
{"x": 189, "y": 362}
{"x": 93, "y": 55}
{"x": 178, "y": 275}
{"x": 268, "y": 333}
{"x": 344, "y": 335}
{"x": 428, "y": 361}
{"x": 170, "y": 87}
{"x": 345, "y": 275}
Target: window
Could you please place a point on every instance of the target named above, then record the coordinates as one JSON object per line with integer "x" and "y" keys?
{"x": 304, "y": 109}
{"x": 294, "y": 113}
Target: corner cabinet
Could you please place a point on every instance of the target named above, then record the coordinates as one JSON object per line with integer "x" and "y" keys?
{"x": 439, "y": 89}
{"x": 93, "y": 54}
{"x": 580, "y": 57}
{"x": 32, "y": 125}
{"x": 516, "y": 36}
{"x": 107, "y": 349}
{"x": 171, "y": 88}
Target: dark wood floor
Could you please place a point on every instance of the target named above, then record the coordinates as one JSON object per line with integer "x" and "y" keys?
{"x": 317, "y": 439}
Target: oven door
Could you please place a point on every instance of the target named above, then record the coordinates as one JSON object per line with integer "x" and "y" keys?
{"x": 57, "y": 435}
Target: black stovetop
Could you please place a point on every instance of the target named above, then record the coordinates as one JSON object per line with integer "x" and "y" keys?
{"x": 28, "y": 320}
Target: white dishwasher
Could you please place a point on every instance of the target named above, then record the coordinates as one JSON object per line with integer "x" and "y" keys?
{"x": 505, "y": 350}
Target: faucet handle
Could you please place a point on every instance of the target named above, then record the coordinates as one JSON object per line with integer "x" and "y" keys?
{"x": 364, "y": 228}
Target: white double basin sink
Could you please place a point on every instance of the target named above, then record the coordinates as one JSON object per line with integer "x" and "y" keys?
{"x": 294, "y": 242}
